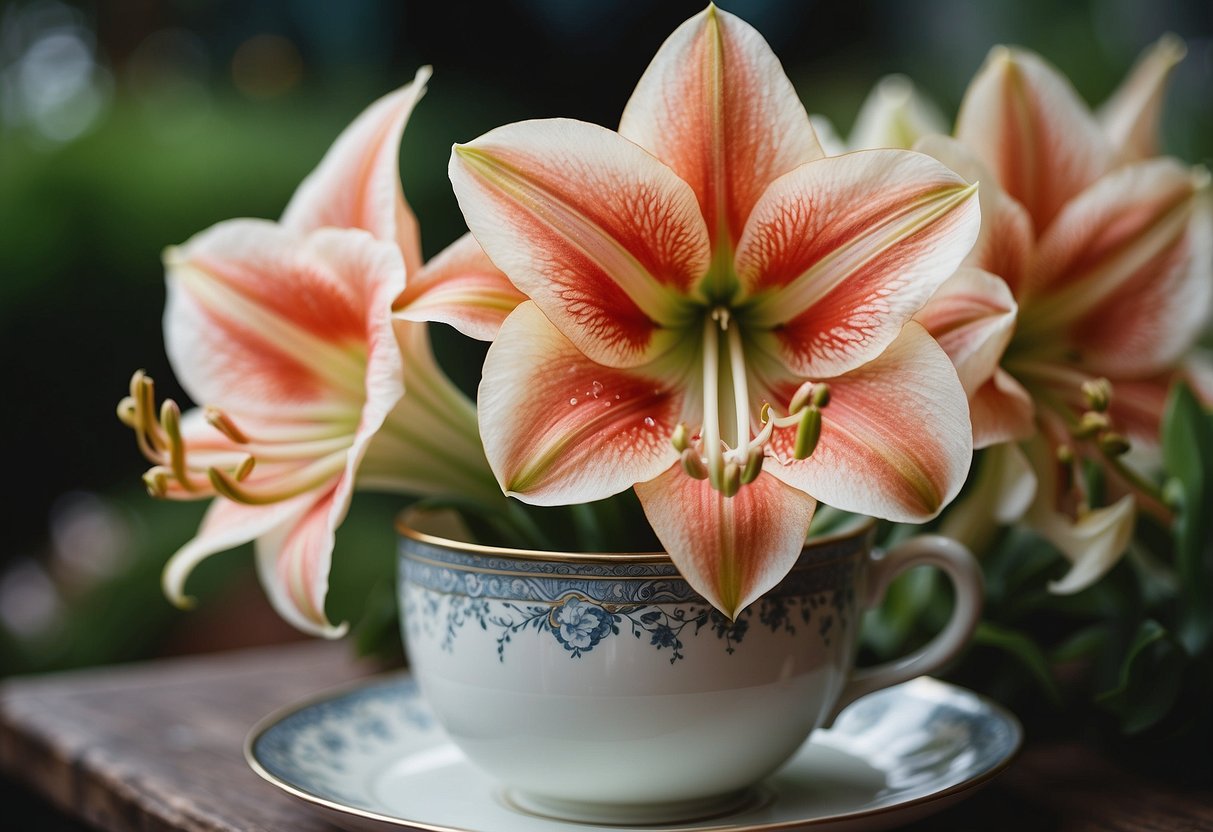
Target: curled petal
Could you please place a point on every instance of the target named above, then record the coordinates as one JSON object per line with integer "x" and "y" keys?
{"x": 730, "y": 549}
{"x": 1025, "y": 122}
{"x": 293, "y": 562}
{"x": 1127, "y": 268}
{"x": 716, "y": 106}
{"x": 559, "y": 428}
{"x": 602, "y": 236}
{"x": 895, "y": 439}
{"x": 895, "y": 114}
{"x": 999, "y": 493}
{"x": 265, "y": 322}
{"x": 463, "y": 288}
{"x": 227, "y": 525}
{"x": 1001, "y": 410}
{"x": 972, "y": 316}
{"x": 357, "y": 184}
{"x": 841, "y": 252}
{"x": 1132, "y": 114}
{"x": 1004, "y": 245}
{"x": 1093, "y": 543}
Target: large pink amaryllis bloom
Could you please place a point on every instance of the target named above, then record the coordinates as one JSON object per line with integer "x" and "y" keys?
{"x": 286, "y": 332}
{"x": 1090, "y": 281}
{"x": 718, "y": 314}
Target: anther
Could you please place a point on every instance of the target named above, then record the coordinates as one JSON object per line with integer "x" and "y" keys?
{"x": 156, "y": 482}
{"x": 1091, "y": 423}
{"x": 1097, "y": 393}
{"x": 127, "y": 412}
{"x": 219, "y": 421}
{"x": 681, "y": 438}
{"x": 807, "y": 433}
{"x": 820, "y": 395}
{"x": 693, "y": 465}
{"x": 753, "y": 466}
{"x": 732, "y": 479}
{"x": 1065, "y": 454}
{"x": 244, "y": 469}
{"x": 1114, "y": 444}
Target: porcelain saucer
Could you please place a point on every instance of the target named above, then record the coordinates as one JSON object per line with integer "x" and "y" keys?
{"x": 372, "y": 757}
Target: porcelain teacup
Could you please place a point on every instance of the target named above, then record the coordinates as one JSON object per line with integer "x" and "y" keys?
{"x": 602, "y": 688}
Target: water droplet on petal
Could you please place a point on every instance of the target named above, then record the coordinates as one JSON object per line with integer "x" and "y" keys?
{"x": 572, "y": 401}
{"x": 616, "y": 397}
{"x": 648, "y": 420}
{"x": 595, "y": 389}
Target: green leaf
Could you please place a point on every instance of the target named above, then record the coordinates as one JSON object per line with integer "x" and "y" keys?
{"x": 1151, "y": 678}
{"x": 1020, "y": 646}
{"x": 1187, "y": 445}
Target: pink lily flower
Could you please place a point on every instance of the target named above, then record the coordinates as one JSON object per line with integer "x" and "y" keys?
{"x": 286, "y": 332}
{"x": 718, "y": 315}
{"x": 1091, "y": 280}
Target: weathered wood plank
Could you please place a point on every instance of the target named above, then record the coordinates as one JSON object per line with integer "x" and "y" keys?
{"x": 157, "y": 747}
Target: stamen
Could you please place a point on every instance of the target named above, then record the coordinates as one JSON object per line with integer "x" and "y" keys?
{"x": 170, "y": 418}
{"x": 291, "y": 485}
{"x": 681, "y": 438}
{"x": 741, "y": 392}
{"x": 711, "y": 402}
{"x": 1114, "y": 444}
{"x": 732, "y": 480}
{"x": 1097, "y": 393}
{"x": 807, "y": 432}
{"x": 693, "y": 465}
{"x": 1091, "y": 423}
{"x": 217, "y": 419}
{"x": 753, "y": 465}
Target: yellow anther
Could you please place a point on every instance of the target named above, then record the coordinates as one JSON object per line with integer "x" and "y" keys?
{"x": 219, "y": 421}
{"x": 1114, "y": 444}
{"x": 244, "y": 469}
{"x": 681, "y": 438}
{"x": 800, "y": 399}
{"x": 1090, "y": 424}
{"x": 732, "y": 479}
{"x": 1097, "y": 393}
{"x": 1065, "y": 454}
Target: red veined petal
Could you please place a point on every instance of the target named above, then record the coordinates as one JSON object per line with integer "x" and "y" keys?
{"x": 603, "y": 237}
{"x": 1125, "y": 274}
{"x": 293, "y": 562}
{"x": 1131, "y": 116}
{"x": 463, "y": 288}
{"x": 1001, "y": 411}
{"x": 1025, "y": 122}
{"x": 895, "y": 439}
{"x": 266, "y": 323}
{"x": 841, "y": 252}
{"x": 559, "y": 428}
{"x": 730, "y": 549}
{"x": 1004, "y": 245}
{"x": 972, "y": 316}
{"x": 716, "y": 106}
{"x": 357, "y": 184}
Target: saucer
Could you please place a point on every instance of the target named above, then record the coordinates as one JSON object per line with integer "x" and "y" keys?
{"x": 372, "y": 757}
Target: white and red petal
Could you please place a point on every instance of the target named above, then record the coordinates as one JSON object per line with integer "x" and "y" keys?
{"x": 1001, "y": 411}
{"x": 603, "y": 237}
{"x": 559, "y": 428}
{"x": 1131, "y": 116}
{"x": 895, "y": 114}
{"x": 463, "y": 288}
{"x": 895, "y": 443}
{"x": 972, "y": 316}
{"x": 716, "y": 106}
{"x": 293, "y": 561}
{"x": 357, "y": 184}
{"x": 730, "y": 549}
{"x": 841, "y": 252}
{"x": 1025, "y": 122}
{"x": 265, "y": 322}
{"x": 1004, "y": 246}
{"x": 1126, "y": 271}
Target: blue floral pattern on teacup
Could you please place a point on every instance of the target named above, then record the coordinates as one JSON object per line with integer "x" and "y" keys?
{"x": 579, "y": 625}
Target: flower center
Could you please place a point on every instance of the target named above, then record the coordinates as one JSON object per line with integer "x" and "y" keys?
{"x": 708, "y": 454}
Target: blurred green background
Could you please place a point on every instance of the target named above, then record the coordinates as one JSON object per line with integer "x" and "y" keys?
{"x": 127, "y": 126}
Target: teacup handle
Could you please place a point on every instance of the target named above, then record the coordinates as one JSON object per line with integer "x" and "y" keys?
{"x": 962, "y": 570}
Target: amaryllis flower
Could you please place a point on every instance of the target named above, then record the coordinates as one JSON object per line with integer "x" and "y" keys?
{"x": 285, "y": 332}
{"x": 1090, "y": 281}
{"x": 718, "y": 314}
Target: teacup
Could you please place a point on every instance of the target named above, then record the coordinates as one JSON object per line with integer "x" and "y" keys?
{"x": 602, "y": 688}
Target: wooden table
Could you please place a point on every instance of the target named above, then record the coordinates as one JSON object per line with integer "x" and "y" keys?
{"x": 158, "y": 747}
